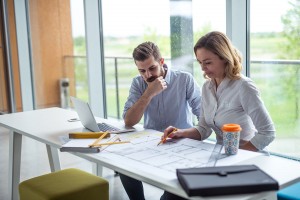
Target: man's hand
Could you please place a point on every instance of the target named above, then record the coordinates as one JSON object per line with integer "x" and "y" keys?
{"x": 155, "y": 87}
{"x": 135, "y": 113}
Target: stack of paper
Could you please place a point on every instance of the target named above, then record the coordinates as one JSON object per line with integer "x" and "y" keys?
{"x": 83, "y": 145}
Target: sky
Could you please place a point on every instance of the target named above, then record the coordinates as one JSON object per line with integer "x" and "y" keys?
{"x": 132, "y": 17}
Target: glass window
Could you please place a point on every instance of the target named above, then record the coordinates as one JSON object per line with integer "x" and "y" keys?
{"x": 173, "y": 25}
{"x": 275, "y": 67}
{"x": 78, "y": 59}
{"x": 207, "y": 16}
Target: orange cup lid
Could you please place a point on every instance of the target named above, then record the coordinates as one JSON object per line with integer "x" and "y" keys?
{"x": 231, "y": 127}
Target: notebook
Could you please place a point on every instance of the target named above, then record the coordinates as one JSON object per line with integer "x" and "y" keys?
{"x": 88, "y": 120}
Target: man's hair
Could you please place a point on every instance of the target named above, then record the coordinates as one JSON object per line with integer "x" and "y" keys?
{"x": 145, "y": 51}
{"x": 219, "y": 44}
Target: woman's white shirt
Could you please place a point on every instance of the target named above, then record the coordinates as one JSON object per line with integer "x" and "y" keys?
{"x": 239, "y": 102}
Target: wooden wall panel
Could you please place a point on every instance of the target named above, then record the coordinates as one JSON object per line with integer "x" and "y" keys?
{"x": 51, "y": 35}
{"x": 14, "y": 55}
{"x": 4, "y": 93}
{"x": 3, "y": 86}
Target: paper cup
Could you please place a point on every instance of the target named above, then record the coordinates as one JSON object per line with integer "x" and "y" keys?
{"x": 231, "y": 138}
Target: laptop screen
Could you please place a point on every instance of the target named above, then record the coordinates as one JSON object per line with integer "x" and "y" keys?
{"x": 87, "y": 119}
{"x": 85, "y": 114}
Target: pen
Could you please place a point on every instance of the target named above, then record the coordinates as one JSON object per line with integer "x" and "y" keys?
{"x": 164, "y": 139}
{"x": 99, "y": 139}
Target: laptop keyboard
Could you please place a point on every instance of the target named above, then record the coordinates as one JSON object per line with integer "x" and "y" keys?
{"x": 106, "y": 127}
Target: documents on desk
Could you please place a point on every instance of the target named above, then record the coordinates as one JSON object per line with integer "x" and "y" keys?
{"x": 88, "y": 145}
{"x": 143, "y": 153}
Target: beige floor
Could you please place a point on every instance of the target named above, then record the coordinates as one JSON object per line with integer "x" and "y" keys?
{"x": 35, "y": 162}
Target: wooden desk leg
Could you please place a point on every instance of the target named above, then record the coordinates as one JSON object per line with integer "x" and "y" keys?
{"x": 15, "y": 146}
{"x": 97, "y": 169}
{"x": 53, "y": 158}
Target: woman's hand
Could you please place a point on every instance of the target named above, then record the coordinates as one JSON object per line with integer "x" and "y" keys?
{"x": 172, "y": 132}
{"x": 191, "y": 133}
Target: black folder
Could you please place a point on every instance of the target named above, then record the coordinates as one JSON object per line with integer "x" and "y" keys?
{"x": 225, "y": 180}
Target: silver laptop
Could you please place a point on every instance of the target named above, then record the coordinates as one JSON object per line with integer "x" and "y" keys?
{"x": 88, "y": 120}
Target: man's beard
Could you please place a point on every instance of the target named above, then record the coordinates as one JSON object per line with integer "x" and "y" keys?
{"x": 152, "y": 78}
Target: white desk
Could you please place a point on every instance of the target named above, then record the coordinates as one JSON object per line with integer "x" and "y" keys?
{"x": 46, "y": 125}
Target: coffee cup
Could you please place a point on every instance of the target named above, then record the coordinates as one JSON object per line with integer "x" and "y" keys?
{"x": 231, "y": 138}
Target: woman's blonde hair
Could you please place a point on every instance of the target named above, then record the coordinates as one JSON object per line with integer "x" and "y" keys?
{"x": 219, "y": 44}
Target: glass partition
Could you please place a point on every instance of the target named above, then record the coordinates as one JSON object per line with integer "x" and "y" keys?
{"x": 275, "y": 67}
{"x": 173, "y": 25}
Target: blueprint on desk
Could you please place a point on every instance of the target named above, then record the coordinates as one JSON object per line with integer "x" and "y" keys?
{"x": 143, "y": 152}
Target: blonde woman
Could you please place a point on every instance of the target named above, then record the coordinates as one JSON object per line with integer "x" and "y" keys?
{"x": 228, "y": 96}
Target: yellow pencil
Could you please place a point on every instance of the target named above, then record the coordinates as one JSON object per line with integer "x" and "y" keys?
{"x": 98, "y": 140}
{"x": 110, "y": 143}
{"x": 87, "y": 135}
{"x": 164, "y": 139}
{"x": 88, "y": 132}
